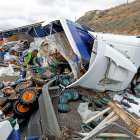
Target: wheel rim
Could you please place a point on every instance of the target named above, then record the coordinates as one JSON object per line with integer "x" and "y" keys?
{"x": 3, "y": 107}
{"x": 18, "y": 79}
{"x": 87, "y": 99}
{"x": 38, "y": 79}
{"x": 1, "y": 102}
{"x": 105, "y": 99}
{"x": 28, "y": 95}
{"x": 25, "y": 84}
{"x": 10, "y": 90}
{"x": 99, "y": 109}
{"x": 8, "y": 115}
{"x": 97, "y": 101}
{"x": 19, "y": 86}
{"x": 65, "y": 81}
{"x": 62, "y": 99}
{"x": 75, "y": 94}
{"x": 22, "y": 108}
{"x": 67, "y": 94}
{"x": 38, "y": 88}
{"x": 16, "y": 96}
{"x": 62, "y": 106}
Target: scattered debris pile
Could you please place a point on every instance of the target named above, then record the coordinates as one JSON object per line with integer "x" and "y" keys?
{"x": 22, "y": 100}
{"x": 69, "y": 61}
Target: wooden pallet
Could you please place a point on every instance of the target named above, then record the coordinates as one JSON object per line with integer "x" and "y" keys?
{"x": 116, "y": 113}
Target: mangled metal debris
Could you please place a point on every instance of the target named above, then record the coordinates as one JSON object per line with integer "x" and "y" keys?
{"x": 71, "y": 55}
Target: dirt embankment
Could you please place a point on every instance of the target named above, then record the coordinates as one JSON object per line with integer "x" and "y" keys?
{"x": 122, "y": 19}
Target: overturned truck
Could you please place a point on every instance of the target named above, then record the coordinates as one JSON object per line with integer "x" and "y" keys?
{"x": 97, "y": 61}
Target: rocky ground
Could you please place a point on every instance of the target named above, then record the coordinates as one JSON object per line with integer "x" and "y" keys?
{"x": 122, "y": 19}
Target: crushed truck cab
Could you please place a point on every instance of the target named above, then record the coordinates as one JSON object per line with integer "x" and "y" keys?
{"x": 114, "y": 62}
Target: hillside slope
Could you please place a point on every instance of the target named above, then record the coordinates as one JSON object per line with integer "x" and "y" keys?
{"x": 122, "y": 19}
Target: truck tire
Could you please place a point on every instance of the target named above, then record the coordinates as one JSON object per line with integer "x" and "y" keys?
{"x": 21, "y": 110}
{"x": 63, "y": 99}
{"x": 101, "y": 109}
{"x": 14, "y": 85}
{"x": 85, "y": 99}
{"x": 3, "y": 103}
{"x": 28, "y": 96}
{"x": 65, "y": 82}
{"x": 8, "y": 91}
{"x": 126, "y": 104}
{"x": 17, "y": 89}
{"x": 63, "y": 108}
{"x": 104, "y": 101}
{"x": 25, "y": 85}
{"x": 13, "y": 99}
{"x": 68, "y": 94}
{"x": 38, "y": 81}
{"x": 98, "y": 109}
{"x": 7, "y": 108}
{"x": 76, "y": 95}
{"x": 18, "y": 79}
{"x": 97, "y": 102}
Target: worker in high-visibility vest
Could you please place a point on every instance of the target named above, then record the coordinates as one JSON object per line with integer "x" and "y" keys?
{"x": 29, "y": 58}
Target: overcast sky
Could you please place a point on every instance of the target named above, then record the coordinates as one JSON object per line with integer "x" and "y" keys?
{"x": 16, "y": 13}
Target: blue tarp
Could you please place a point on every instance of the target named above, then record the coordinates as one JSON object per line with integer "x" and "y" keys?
{"x": 34, "y": 31}
{"x": 14, "y": 32}
{"x": 81, "y": 37}
{"x": 78, "y": 31}
{"x": 43, "y": 31}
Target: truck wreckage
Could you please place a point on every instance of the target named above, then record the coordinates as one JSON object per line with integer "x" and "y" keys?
{"x": 102, "y": 61}
{"x": 97, "y": 61}
{"x": 73, "y": 55}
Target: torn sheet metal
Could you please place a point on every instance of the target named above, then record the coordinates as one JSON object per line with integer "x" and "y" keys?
{"x": 109, "y": 68}
{"x": 98, "y": 68}
{"x": 119, "y": 59}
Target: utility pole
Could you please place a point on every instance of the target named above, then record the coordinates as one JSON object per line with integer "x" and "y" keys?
{"x": 127, "y": 1}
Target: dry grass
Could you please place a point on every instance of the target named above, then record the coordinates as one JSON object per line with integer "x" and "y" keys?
{"x": 123, "y": 19}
